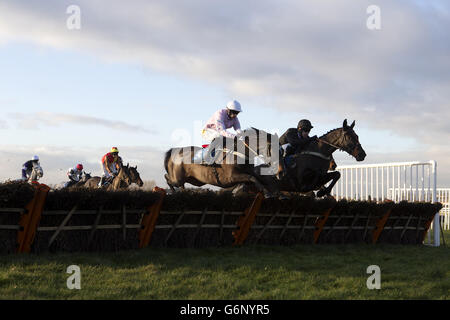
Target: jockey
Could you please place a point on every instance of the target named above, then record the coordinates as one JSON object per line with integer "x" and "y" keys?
{"x": 111, "y": 163}
{"x": 220, "y": 121}
{"x": 75, "y": 174}
{"x": 295, "y": 140}
{"x": 28, "y": 167}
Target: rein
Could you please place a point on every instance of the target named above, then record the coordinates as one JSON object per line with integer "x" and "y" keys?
{"x": 329, "y": 143}
{"x": 320, "y": 155}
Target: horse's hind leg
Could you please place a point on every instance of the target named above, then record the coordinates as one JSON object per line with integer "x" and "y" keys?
{"x": 169, "y": 182}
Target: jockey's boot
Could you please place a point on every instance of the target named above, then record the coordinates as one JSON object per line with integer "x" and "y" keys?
{"x": 283, "y": 173}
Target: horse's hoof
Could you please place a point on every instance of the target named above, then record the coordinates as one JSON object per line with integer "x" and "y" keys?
{"x": 269, "y": 196}
{"x": 321, "y": 193}
{"x": 309, "y": 194}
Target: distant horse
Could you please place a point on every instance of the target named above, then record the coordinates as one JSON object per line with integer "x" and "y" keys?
{"x": 36, "y": 174}
{"x": 181, "y": 168}
{"x": 125, "y": 177}
{"x": 312, "y": 164}
{"x": 120, "y": 181}
{"x": 134, "y": 176}
{"x": 75, "y": 184}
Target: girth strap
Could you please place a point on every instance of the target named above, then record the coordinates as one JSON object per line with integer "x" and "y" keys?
{"x": 316, "y": 154}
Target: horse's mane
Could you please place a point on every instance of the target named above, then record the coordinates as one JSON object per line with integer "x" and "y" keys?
{"x": 331, "y": 131}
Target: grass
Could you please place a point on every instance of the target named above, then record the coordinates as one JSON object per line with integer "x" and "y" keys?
{"x": 249, "y": 272}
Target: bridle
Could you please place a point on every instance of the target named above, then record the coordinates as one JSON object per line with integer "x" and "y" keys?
{"x": 340, "y": 142}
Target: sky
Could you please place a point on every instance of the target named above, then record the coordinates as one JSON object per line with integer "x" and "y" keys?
{"x": 145, "y": 76}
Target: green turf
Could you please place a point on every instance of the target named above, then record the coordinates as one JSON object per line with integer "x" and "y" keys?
{"x": 249, "y": 272}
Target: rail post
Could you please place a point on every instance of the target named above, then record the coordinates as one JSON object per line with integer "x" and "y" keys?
{"x": 320, "y": 223}
{"x": 380, "y": 226}
{"x": 29, "y": 220}
{"x": 149, "y": 219}
{"x": 436, "y": 222}
{"x": 245, "y": 221}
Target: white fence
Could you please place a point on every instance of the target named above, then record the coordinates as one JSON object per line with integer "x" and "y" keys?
{"x": 443, "y": 196}
{"x": 398, "y": 181}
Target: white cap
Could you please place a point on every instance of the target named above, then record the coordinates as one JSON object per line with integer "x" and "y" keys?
{"x": 234, "y": 105}
{"x": 35, "y": 158}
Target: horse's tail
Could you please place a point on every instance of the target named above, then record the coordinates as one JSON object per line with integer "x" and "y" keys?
{"x": 166, "y": 160}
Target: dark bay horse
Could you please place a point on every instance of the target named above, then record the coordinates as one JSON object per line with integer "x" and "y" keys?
{"x": 181, "y": 168}
{"x": 80, "y": 183}
{"x": 312, "y": 164}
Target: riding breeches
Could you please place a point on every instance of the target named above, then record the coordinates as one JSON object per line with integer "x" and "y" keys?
{"x": 112, "y": 168}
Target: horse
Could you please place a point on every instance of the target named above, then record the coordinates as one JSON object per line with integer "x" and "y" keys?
{"x": 83, "y": 180}
{"x": 310, "y": 172}
{"x": 182, "y": 168}
{"x": 36, "y": 174}
{"x": 134, "y": 176}
{"x": 74, "y": 184}
{"x": 120, "y": 181}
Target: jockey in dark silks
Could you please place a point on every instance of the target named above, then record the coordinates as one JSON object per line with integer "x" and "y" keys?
{"x": 296, "y": 140}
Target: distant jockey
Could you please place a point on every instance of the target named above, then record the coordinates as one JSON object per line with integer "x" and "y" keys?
{"x": 218, "y": 124}
{"x": 75, "y": 174}
{"x": 111, "y": 162}
{"x": 31, "y": 170}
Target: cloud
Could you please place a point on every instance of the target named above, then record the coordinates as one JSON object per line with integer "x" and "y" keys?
{"x": 317, "y": 57}
{"x": 309, "y": 56}
{"x": 35, "y": 120}
{"x": 3, "y": 124}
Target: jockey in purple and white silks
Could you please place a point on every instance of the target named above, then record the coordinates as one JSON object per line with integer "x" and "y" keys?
{"x": 218, "y": 124}
{"x": 222, "y": 120}
{"x": 32, "y": 170}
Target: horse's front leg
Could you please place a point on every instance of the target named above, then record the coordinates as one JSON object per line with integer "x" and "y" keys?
{"x": 334, "y": 177}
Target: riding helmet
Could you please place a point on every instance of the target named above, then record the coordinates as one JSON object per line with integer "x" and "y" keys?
{"x": 304, "y": 124}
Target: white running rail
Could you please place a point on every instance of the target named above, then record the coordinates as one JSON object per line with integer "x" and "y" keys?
{"x": 397, "y": 181}
{"x": 443, "y": 196}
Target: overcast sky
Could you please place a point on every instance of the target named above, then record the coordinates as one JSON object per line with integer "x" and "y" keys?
{"x": 145, "y": 76}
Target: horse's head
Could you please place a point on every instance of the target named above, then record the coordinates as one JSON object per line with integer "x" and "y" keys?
{"x": 124, "y": 175}
{"x": 135, "y": 177}
{"x": 348, "y": 141}
{"x": 86, "y": 177}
